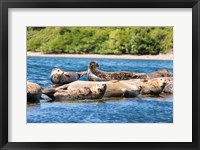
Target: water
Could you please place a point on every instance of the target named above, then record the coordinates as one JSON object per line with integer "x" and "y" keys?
{"x": 112, "y": 110}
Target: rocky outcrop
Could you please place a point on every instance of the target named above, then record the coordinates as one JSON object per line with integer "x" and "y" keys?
{"x": 34, "y": 92}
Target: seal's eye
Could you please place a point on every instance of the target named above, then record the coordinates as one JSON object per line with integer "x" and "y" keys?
{"x": 58, "y": 70}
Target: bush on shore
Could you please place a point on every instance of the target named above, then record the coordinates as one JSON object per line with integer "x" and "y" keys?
{"x": 100, "y": 40}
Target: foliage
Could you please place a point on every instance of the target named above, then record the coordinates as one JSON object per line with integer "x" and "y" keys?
{"x": 100, "y": 40}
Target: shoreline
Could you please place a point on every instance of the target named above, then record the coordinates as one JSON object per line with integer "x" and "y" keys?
{"x": 136, "y": 57}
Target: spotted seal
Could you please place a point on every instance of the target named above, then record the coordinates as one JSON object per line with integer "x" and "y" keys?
{"x": 114, "y": 88}
{"x": 168, "y": 89}
{"x": 60, "y": 77}
{"x": 95, "y": 92}
{"x": 95, "y": 74}
{"x": 153, "y": 86}
{"x": 34, "y": 92}
{"x": 160, "y": 73}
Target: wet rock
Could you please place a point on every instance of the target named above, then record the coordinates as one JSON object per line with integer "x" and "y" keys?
{"x": 34, "y": 92}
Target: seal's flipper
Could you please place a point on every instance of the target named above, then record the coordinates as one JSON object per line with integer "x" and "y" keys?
{"x": 141, "y": 76}
{"x": 49, "y": 92}
{"x": 67, "y": 74}
{"x": 63, "y": 87}
{"x": 81, "y": 73}
{"x": 114, "y": 81}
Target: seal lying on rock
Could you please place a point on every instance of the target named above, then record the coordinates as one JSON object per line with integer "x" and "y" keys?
{"x": 114, "y": 88}
{"x": 168, "y": 89}
{"x": 34, "y": 92}
{"x": 153, "y": 86}
{"x": 95, "y": 92}
{"x": 60, "y": 77}
{"x": 160, "y": 73}
{"x": 97, "y": 75}
{"x": 125, "y": 88}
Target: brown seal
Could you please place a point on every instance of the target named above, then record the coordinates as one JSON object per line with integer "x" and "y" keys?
{"x": 60, "y": 77}
{"x": 33, "y": 92}
{"x": 95, "y": 92}
{"x": 95, "y": 74}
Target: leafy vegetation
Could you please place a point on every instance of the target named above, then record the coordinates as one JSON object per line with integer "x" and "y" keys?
{"x": 100, "y": 40}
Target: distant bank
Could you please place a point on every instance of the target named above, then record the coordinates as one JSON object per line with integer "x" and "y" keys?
{"x": 137, "y": 57}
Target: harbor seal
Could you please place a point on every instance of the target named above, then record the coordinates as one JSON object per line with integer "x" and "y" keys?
{"x": 95, "y": 92}
{"x": 95, "y": 74}
{"x": 60, "y": 77}
{"x": 114, "y": 88}
{"x": 168, "y": 89}
{"x": 34, "y": 92}
{"x": 153, "y": 86}
{"x": 160, "y": 73}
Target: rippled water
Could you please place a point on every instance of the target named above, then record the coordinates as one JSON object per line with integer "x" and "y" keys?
{"x": 112, "y": 110}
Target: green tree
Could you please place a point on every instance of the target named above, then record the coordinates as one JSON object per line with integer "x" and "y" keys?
{"x": 100, "y": 40}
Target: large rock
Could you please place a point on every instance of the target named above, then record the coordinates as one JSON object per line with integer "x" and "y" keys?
{"x": 34, "y": 92}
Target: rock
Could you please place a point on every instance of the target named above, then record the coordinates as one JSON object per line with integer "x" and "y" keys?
{"x": 34, "y": 92}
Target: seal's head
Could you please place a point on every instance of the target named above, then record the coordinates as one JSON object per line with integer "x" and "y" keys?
{"x": 165, "y": 73}
{"x": 56, "y": 75}
{"x": 93, "y": 65}
{"x": 168, "y": 80}
{"x": 57, "y": 71}
{"x": 101, "y": 88}
{"x": 162, "y": 82}
{"x": 55, "y": 78}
